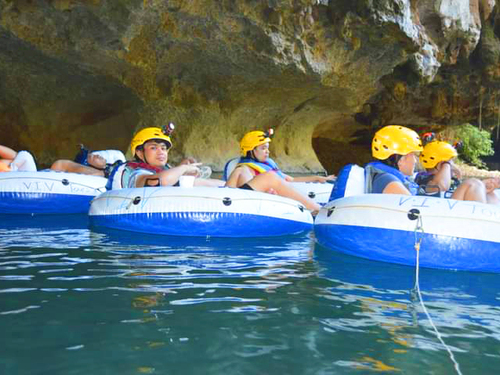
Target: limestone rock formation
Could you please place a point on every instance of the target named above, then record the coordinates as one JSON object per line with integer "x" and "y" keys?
{"x": 324, "y": 73}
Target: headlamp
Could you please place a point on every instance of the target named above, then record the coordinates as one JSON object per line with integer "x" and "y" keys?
{"x": 269, "y": 133}
{"x": 428, "y": 137}
{"x": 168, "y": 129}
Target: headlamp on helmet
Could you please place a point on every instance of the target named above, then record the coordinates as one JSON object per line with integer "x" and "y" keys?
{"x": 149, "y": 134}
{"x": 459, "y": 146}
{"x": 428, "y": 137}
{"x": 253, "y": 139}
{"x": 168, "y": 129}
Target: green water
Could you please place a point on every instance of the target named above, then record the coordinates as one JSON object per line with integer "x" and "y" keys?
{"x": 75, "y": 301}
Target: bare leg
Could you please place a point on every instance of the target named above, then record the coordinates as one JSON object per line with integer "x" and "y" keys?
{"x": 7, "y": 153}
{"x": 471, "y": 190}
{"x": 240, "y": 176}
{"x": 266, "y": 181}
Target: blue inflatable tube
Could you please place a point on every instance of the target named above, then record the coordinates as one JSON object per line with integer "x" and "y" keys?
{"x": 199, "y": 212}
{"x": 455, "y": 235}
{"x": 48, "y": 192}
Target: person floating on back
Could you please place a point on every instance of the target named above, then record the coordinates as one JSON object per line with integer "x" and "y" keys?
{"x": 95, "y": 163}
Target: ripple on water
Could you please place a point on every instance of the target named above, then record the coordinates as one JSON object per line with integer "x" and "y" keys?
{"x": 72, "y": 296}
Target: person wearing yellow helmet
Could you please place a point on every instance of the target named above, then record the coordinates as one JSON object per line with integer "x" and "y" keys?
{"x": 396, "y": 149}
{"x": 257, "y": 171}
{"x": 437, "y": 159}
{"x": 150, "y": 148}
{"x": 254, "y": 154}
{"x": 11, "y": 160}
{"x": 440, "y": 170}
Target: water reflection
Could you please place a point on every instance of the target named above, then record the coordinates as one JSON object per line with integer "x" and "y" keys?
{"x": 70, "y": 296}
{"x": 163, "y": 264}
{"x": 44, "y": 231}
{"x": 462, "y": 305}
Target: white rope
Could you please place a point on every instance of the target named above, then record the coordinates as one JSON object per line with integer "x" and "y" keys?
{"x": 418, "y": 241}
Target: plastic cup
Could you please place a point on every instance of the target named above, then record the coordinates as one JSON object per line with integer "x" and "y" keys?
{"x": 186, "y": 181}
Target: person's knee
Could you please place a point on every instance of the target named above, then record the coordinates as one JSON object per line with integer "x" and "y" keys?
{"x": 473, "y": 182}
{"x": 58, "y": 165}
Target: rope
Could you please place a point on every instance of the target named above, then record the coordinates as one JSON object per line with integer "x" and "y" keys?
{"x": 419, "y": 235}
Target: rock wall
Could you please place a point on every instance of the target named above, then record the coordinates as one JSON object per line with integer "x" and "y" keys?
{"x": 324, "y": 74}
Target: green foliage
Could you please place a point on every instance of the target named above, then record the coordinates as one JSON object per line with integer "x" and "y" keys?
{"x": 475, "y": 143}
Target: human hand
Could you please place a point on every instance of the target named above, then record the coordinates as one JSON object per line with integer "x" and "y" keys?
{"x": 191, "y": 169}
{"x": 324, "y": 179}
{"x": 492, "y": 184}
{"x": 455, "y": 171}
{"x": 205, "y": 172}
{"x": 188, "y": 160}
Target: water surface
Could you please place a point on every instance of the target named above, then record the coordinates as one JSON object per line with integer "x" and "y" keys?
{"x": 80, "y": 301}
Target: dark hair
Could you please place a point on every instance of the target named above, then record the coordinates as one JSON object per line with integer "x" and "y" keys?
{"x": 81, "y": 157}
{"x": 393, "y": 160}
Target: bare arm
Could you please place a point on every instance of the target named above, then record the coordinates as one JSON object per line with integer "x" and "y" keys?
{"x": 441, "y": 179}
{"x": 168, "y": 177}
{"x": 74, "y": 167}
{"x": 321, "y": 179}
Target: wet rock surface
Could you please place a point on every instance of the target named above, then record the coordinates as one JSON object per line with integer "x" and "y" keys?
{"x": 324, "y": 74}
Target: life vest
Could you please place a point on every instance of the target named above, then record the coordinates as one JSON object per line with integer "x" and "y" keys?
{"x": 142, "y": 165}
{"x": 376, "y": 167}
{"x": 261, "y": 167}
{"x": 423, "y": 179}
{"x": 115, "y": 179}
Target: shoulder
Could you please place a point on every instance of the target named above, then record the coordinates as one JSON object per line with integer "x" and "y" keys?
{"x": 384, "y": 177}
{"x": 381, "y": 180}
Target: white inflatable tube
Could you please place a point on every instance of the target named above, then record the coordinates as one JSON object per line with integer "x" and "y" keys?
{"x": 48, "y": 192}
{"x": 458, "y": 235}
{"x": 200, "y": 211}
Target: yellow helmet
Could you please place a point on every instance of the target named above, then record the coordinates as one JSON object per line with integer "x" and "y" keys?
{"x": 395, "y": 139}
{"x": 254, "y": 139}
{"x": 436, "y": 152}
{"x": 148, "y": 134}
